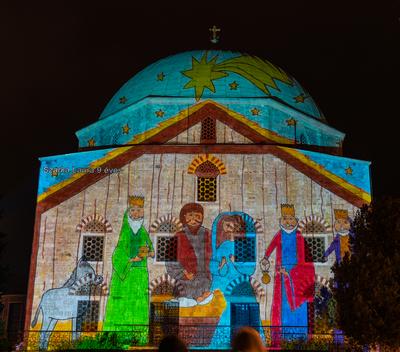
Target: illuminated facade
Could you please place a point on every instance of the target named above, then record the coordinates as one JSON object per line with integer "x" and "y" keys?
{"x": 210, "y": 194}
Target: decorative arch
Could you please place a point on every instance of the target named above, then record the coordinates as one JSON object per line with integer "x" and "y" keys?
{"x": 170, "y": 220}
{"x": 203, "y": 158}
{"x": 207, "y": 168}
{"x": 84, "y": 281}
{"x": 252, "y": 225}
{"x": 314, "y": 224}
{"x": 94, "y": 223}
{"x": 165, "y": 279}
{"x": 256, "y": 285}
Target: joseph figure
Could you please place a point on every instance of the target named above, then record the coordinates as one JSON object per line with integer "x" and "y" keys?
{"x": 128, "y": 302}
{"x": 191, "y": 269}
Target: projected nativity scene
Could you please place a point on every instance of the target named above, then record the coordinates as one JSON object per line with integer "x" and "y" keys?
{"x": 211, "y": 194}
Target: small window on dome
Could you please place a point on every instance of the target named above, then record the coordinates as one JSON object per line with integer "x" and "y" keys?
{"x": 208, "y": 131}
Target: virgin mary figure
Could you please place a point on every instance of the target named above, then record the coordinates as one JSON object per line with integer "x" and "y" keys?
{"x": 225, "y": 267}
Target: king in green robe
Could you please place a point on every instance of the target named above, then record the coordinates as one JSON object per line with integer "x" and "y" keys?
{"x": 128, "y": 303}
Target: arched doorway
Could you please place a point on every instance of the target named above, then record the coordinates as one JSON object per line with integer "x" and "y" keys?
{"x": 245, "y": 309}
{"x": 164, "y": 313}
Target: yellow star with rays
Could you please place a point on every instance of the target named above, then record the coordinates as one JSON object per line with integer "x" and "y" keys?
{"x": 126, "y": 129}
{"x": 348, "y": 170}
{"x": 202, "y": 75}
{"x": 300, "y": 98}
{"x": 160, "y": 113}
{"x": 160, "y": 76}
{"x": 234, "y": 85}
{"x": 291, "y": 122}
{"x": 91, "y": 142}
{"x": 255, "y": 111}
{"x": 123, "y": 100}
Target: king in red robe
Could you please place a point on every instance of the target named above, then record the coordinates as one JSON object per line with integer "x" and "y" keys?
{"x": 293, "y": 281}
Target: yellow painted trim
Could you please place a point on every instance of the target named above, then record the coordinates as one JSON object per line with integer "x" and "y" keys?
{"x": 338, "y": 180}
{"x": 136, "y": 140}
{"x": 97, "y": 163}
{"x": 200, "y": 159}
{"x": 139, "y": 138}
{"x": 254, "y": 125}
{"x": 185, "y": 113}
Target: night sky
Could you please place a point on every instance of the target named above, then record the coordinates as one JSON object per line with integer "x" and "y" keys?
{"x": 61, "y": 61}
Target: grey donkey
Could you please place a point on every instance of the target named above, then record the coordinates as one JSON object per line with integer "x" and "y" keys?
{"x": 61, "y": 303}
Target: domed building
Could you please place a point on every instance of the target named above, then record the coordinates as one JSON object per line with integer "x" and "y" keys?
{"x": 210, "y": 194}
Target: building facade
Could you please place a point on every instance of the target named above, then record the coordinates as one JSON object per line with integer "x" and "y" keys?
{"x": 12, "y": 312}
{"x": 210, "y": 194}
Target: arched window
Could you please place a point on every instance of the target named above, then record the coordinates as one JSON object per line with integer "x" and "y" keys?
{"x": 166, "y": 243}
{"x": 93, "y": 228}
{"x": 208, "y": 131}
{"x": 207, "y": 182}
{"x": 315, "y": 230}
{"x": 207, "y": 168}
{"x": 245, "y": 248}
{"x": 166, "y": 224}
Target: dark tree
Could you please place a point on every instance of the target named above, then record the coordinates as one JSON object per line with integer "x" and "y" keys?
{"x": 368, "y": 282}
{"x": 3, "y": 270}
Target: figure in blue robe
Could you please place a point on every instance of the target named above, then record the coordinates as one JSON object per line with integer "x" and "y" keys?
{"x": 225, "y": 268}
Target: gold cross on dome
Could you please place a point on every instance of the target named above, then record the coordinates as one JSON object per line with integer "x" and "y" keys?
{"x": 214, "y": 30}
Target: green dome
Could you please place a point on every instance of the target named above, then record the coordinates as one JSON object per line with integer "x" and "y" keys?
{"x": 213, "y": 75}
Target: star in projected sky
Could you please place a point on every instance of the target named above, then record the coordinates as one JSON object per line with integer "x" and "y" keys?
{"x": 349, "y": 171}
{"x": 202, "y": 75}
{"x": 125, "y": 129}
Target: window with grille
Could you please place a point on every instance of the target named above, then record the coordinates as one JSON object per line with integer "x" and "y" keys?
{"x": 314, "y": 227}
{"x": 167, "y": 227}
{"x": 87, "y": 315}
{"x": 93, "y": 248}
{"x": 207, "y": 189}
{"x": 95, "y": 226}
{"x": 314, "y": 249}
{"x": 89, "y": 289}
{"x": 207, "y": 174}
{"x": 245, "y": 249}
{"x": 208, "y": 133}
{"x": 167, "y": 249}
